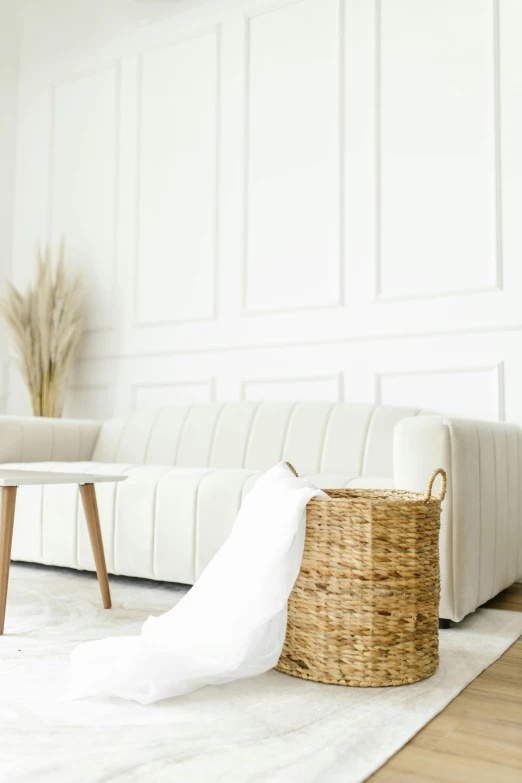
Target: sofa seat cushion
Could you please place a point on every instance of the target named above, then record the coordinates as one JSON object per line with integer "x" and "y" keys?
{"x": 162, "y": 523}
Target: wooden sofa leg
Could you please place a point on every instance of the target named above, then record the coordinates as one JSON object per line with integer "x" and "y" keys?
{"x": 444, "y": 623}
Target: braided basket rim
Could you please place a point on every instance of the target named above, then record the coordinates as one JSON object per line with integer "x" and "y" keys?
{"x": 375, "y": 497}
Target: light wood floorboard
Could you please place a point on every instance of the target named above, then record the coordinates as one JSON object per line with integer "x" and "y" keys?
{"x": 477, "y": 738}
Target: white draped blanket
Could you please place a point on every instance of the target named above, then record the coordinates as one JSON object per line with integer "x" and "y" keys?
{"x": 230, "y": 625}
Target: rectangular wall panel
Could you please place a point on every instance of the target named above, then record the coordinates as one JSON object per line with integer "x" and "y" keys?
{"x": 510, "y": 27}
{"x": 88, "y": 402}
{"x": 321, "y": 388}
{"x": 147, "y": 396}
{"x": 436, "y": 144}
{"x": 293, "y": 163}
{"x": 177, "y": 213}
{"x": 471, "y": 393}
{"x": 83, "y": 181}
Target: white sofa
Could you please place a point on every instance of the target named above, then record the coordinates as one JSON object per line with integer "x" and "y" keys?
{"x": 189, "y": 467}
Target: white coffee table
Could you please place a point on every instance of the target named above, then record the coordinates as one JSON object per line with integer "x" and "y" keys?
{"x": 10, "y": 480}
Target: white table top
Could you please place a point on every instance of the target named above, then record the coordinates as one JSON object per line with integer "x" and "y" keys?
{"x": 18, "y": 478}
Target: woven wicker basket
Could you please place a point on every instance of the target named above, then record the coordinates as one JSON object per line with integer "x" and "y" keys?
{"x": 364, "y": 608}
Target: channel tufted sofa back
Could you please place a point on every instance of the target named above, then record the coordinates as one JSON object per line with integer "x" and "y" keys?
{"x": 318, "y": 437}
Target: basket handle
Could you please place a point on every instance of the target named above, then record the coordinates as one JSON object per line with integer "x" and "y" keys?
{"x": 427, "y": 496}
{"x": 294, "y": 471}
{"x": 443, "y": 485}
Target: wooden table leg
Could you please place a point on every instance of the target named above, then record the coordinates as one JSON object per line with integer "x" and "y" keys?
{"x": 6, "y": 540}
{"x": 90, "y": 507}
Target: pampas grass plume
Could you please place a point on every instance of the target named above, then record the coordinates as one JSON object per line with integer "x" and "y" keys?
{"x": 46, "y": 327}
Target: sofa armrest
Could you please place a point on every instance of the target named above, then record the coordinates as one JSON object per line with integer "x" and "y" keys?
{"x": 481, "y": 524}
{"x": 34, "y": 439}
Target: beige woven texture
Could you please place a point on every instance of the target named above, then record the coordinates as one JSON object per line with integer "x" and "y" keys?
{"x": 364, "y": 609}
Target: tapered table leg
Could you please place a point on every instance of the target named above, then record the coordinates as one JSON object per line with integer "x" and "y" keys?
{"x": 6, "y": 540}
{"x": 90, "y": 507}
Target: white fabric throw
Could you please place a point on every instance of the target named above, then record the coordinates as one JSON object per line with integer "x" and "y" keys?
{"x": 230, "y": 625}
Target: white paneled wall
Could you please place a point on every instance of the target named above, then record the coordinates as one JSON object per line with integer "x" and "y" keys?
{"x": 11, "y": 28}
{"x": 148, "y": 396}
{"x": 280, "y": 199}
{"x": 177, "y": 162}
{"x": 476, "y": 392}
{"x": 83, "y": 184}
{"x": 438, "y": 114}
{"x": 306, "y": 388}
{"x": 292, "y": 228}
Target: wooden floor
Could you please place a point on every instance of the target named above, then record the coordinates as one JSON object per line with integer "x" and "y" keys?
{"x": 478, "y": 737}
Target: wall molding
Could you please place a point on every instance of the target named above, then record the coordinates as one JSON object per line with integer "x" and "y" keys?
{"x": 111, "y": 65}
{"x": 348, "y": 340}
{"x": 209, "y": 383}
{"x": 497, "y": 277}
{"x": 497, "y": 371}
{"x": 216, "y": 31}
{"x": 245, "y": 310}
{"x": 497, "y": 135}
{"x": 337, "y": 378}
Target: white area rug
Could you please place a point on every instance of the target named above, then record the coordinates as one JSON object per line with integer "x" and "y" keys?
{"x": 269, "y": 729}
